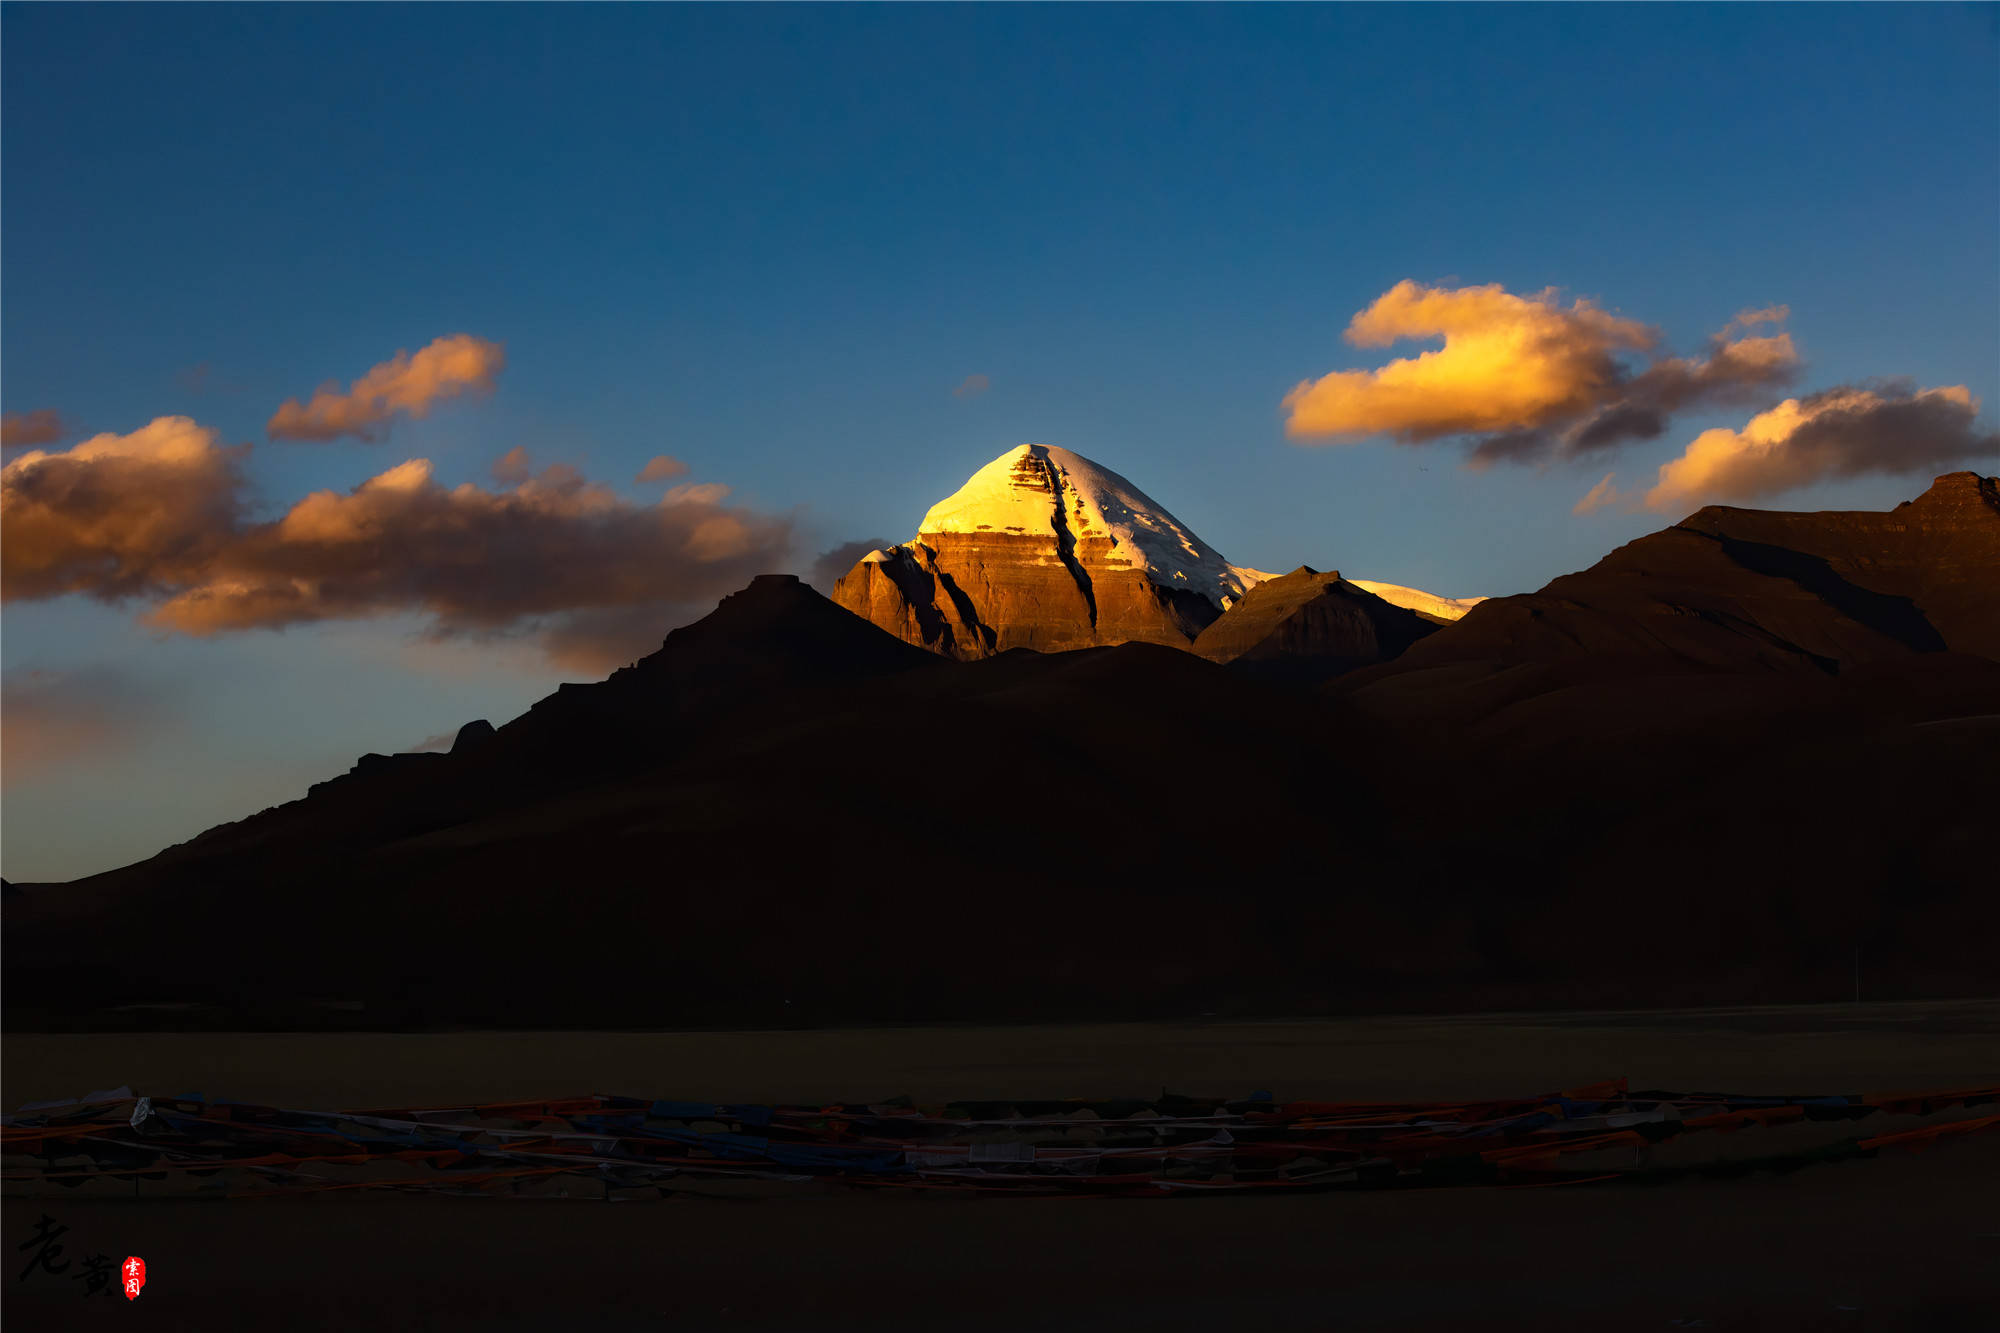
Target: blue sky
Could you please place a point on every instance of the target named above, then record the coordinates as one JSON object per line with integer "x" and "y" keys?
{"x": 769, "y": 241}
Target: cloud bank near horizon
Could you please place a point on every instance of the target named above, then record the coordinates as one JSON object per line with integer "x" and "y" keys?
{"x": 1847, "y": 431}
{"x": 1534, "y": 379}
{"x": 160, "y": 516}
{"x": 56, "y": 717}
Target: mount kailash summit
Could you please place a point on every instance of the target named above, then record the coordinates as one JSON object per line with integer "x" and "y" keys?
{"x": 1044, "y": 549}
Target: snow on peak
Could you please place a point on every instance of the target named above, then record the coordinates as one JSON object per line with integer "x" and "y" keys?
{"x": 1416, "y": 599}
{"x": 1039, "y": 490}
{"x": 1029, "y": 490}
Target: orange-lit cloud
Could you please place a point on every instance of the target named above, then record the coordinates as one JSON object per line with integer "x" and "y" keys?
{"x": 118, "y": 515}
{"x": 1601, "y": 496}
{"x": 476, "y": 559}
{"x": 157, "y": 514}
{"x": 696, "y": 492}
{"x": 1537, "y": 378}
{"x": 661, "y": 468}
{"x": 972, "y": 386}
{"x": 1507, "y": 362}
{"x": 20, "y": 430}
{"x": 513, "y": 466}
{"x": 1750, "y": 319}
{"x": 407, "y": 385}
{"x": 1842, "y": 432}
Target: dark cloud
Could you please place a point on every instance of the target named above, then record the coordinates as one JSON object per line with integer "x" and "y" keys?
{"x": 599, "y": 640}
{"x": 1638, "y": 407}
{"x": 1515, "y": 446}
{"x": 119, "y": 516}
{"x": 23, "y": 430}
{"x": 513, "y": 467}
{"x": 832, "y": 564}
{"x": 1614, "y": 425}
{"x": 1847, "y": 431}
{"x": 158, "y": 515}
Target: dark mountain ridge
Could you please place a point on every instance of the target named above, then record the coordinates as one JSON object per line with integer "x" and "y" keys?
{"x": 1307, "y": 626}
{"x": 1706, "y": 770}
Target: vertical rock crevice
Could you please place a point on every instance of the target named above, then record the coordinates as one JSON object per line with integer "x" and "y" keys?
{"x": 1053, "y": 478}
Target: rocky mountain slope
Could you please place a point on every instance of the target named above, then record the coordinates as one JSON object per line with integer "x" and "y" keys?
{"x": 1727, "y": 591}
{"x": 1307, "y": 625}
{"x": 1937, "y": 552}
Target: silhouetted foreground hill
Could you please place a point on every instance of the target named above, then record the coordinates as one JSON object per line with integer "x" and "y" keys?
{"x": 1306, "y": 626}
{"x": 1709, "y": 769}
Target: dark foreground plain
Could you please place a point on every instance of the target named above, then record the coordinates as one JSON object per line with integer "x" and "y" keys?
{"x": 1899, "y": 1242}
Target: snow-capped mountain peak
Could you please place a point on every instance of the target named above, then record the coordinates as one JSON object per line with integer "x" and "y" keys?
{"x": 1045, "y": 491}
{"x": 1044, "y": 549}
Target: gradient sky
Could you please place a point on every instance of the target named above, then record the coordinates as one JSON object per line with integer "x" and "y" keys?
{"x": 771, "y": 241}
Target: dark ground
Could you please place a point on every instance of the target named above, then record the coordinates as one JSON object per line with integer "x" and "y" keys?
{"x": 1904, "y": 1241}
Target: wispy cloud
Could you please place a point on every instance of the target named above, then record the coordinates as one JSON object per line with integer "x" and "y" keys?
{"x": 405, "y": 385}
{"x": 972, "y": 386}
{"x": 513, "y": 467}
{"x": 1601, "y": 496}
{"x": 598, "y": 640}
{"x": 696, "y": 492}
{"x": 1843, "y": 432}
{"x": 661, "y": 468}
{"x": 1536, "y": 378}
{"x": 20, "y": 430}
{"x": 55, "y": 717}
{"x": 831, "y": 564}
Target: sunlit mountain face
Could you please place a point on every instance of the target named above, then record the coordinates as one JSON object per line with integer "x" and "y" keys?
{"x": 1042, "y": 548}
